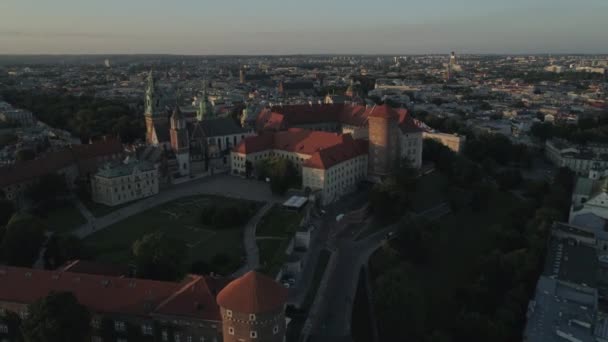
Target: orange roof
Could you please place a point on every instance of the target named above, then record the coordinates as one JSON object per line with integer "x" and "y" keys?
{"x": 328, "y": 157}
{"x": 253, "y": 293}
{"x": 293, "y": 140}
{"x": 55, "y": 161}
{"x": 281, "y": 117}
{"x": 106, "y": 294}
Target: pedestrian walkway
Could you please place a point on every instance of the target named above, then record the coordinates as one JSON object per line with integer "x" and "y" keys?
{"x": 219, "y": 185}
{"x": 249, "y": 240}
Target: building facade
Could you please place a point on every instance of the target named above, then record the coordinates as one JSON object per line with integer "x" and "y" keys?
{"x": 580, "y": 160}
{"x": 125, "y": 309}
{"x": 119, "y": 183}
{"x": 75, "y": 162}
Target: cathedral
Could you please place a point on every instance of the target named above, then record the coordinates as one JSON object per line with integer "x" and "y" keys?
{"x": 187, "y": 146}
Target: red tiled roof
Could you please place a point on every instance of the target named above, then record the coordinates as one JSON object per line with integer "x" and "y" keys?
{"x": 293, "y": 140}
{"x": 91, "y": 267}
{"x": 253, "y": 293}
{"x": 32, "y": 169}
{"x": 103, "y": 294}
{"x": 279, "y": 117}
{"x": 95, "y": 150}
{"x": 54, "y": 161}
{"x": 328, "y": 157}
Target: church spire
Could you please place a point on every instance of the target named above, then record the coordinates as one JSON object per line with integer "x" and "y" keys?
{"x": 203, "y": 105}
{"x": 149, "y": 101}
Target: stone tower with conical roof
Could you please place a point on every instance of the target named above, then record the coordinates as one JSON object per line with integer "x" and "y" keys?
{"x": 253, "y": 309}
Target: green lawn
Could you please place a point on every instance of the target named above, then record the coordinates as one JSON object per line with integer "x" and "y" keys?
{"x": 63, "y": 219}
{"x": 179, "y": 219}
{"x": 316, "y": 280}
{"x": 282, "y": 225}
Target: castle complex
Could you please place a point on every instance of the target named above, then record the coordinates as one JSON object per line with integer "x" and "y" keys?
{"x": 333, "y": 146}
{"x": 191, "y": 145}
{"x": 197, "y": 309}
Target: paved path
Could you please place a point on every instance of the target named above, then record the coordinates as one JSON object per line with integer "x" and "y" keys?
{"x": 86, "y": 213}
{"x": 332, "y": 318}
{"x": 221, "y": 185}
{"x": 249, "y": 240}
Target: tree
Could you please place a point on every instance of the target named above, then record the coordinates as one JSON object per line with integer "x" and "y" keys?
{"x": 7, "y": 209}
{"x": 48, "y": 190}
{"x": 160, "y": 257}
{"x": 22, "y": 241}
{"x": 60, "y": 249}
{"x": 400, "y": 304}
{"x": 12, "y": 321}
{"x": 25, "y": 154}
{"x": 58, "y": 317}
{"x": 282, "y": 172}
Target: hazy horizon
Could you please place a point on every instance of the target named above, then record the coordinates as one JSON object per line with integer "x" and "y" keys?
{"x": 314, "y": 27}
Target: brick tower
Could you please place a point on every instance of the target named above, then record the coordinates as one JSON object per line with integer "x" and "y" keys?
{"x": 179, "y": 142}
{"x": 383, "y": 140}
{"x": 253, "y": 309}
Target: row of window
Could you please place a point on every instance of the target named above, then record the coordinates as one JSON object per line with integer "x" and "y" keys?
{"x": 253, "y": 333}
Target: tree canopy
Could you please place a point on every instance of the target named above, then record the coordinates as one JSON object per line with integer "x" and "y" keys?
{"x": 160, "y": 257}
{"x": 59, "y": 317}
{"x": 23, "y": 239}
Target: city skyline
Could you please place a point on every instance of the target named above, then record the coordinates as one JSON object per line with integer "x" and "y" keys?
{"x": 275, "y": 28}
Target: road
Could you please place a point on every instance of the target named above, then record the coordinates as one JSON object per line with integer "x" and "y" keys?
{"x": 221, "y": 185}
{"x": 332, "y": 319}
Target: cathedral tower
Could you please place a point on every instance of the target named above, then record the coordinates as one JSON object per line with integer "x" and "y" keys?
{"x": 179, "y": 142}
{"x": 153, "y": 112}
{"x": 204, "y": 109}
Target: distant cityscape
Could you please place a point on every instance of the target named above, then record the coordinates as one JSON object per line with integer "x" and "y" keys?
{"x": 303, "y": 198}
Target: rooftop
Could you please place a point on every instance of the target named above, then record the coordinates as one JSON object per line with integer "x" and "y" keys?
{"x": 253, "y": 293}
{"x": 110, "y": 294}
{"x": 125, "y": 168}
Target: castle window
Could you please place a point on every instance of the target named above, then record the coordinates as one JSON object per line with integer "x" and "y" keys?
{"x": 229, "y": 313}
{"x": 176, "y": 338}
{"x": 165, "y": 335}
{"x": 3, "y": 328}
{"x": 252, "y": 317}
{"x": 275, "y": 329}
{"x": 230, "y": 331}
{"x": 146, "y": 329}
{"x": 119, "y": 326}
{"x": 95, "y": 323}
{"x": 253, "y": 334}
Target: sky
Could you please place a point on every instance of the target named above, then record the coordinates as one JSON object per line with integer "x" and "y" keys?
{"x": 302, "y": 27}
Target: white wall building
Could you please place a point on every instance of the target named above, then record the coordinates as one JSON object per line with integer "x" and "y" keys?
{"x": 124, "y": 182}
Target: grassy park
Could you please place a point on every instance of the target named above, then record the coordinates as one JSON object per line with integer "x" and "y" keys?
{"x": 63, "y": 219}
{"x": 180, "y": 219}
{"x": 274, "y": 232}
